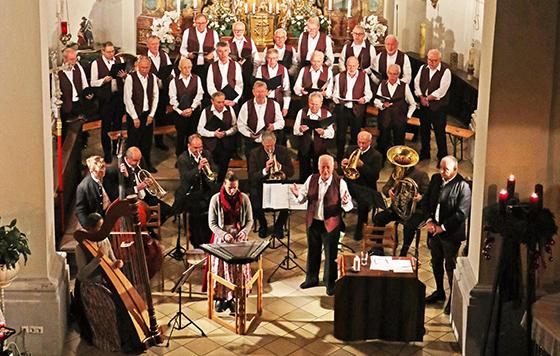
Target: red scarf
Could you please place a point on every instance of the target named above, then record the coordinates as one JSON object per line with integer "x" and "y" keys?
{"x": 226, "y": 200}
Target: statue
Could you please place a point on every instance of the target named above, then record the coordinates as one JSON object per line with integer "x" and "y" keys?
{"x": 85, "y": 34}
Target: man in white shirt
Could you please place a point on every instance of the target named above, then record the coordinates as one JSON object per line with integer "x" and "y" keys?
{"x": 223, "y": 73}
{"x": 110, "y": 94}
{"x": 392, "y": 55}
{"x": 258, "y": 115}
{"x": 360, "y": 48}
{"x": 312, "y": 40}
{"x": 396, "y": 105}
{"x": 431, "y": 86}
{"x": 244, "y": 51}
{"x": 351, "y": 93}
{"x": 326, "y": 195}
{"x": 287, "y": 54}
{"x": 141, "y": 95}
{"x": 185, "y": 96}
{"x": 272, "y": 68}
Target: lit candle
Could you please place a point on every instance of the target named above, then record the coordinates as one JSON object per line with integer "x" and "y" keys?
{"x": 330, "y": 5}
{"x": 539, "y": 191}
{"x": 254, "y": 7}
{"x": 277, "y": 8}
{"x": 349, "y": 8}
{"x": 270, "y": 8}
{"x": 195, "y": 4}
{"x": 534, "y": 201}
{"x": 511, "y": 186}
{"x": 246, "y": 8}
{"x": 503, "y": 201}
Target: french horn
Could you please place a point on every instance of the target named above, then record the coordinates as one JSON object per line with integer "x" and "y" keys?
{"x": 404, "y": 188}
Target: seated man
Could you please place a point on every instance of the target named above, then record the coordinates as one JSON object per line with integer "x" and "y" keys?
{"x": 260, "y": 166}
{"x": 196, "y": 170}
{"x": 364, "y": 188}
{"x": 223, "y": 73}
{"x": 258, "y": 115}
{"x": 218, "y": 128}
{"x": 313, "y": 141}
{"x": 418, "y": 216}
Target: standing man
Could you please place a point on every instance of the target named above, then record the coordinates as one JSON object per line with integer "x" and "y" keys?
{"x": 360, "y": 48}
{"x": 392, "y": 55}
{"x": 351, "y": 93}
{"x": 185, "y": 96}
{"x": 141, "y": 95}
{"x": 91, "y": 195}
{"x": 364, "y": 188}
{"x": 431, "y": 86}
{"x": 220, "y": 139}
{"x": 287, "y": 54}
{"x": 244, "y": 51}
{"x": 257, "y": 116}
{"x": 316, "y": 76}
{"x": 260, "y": 167}
{"x": 327, "y": 195}
{"x": 448, "y": 203}
{"x": 397, "y": 107}
{"x": 272, "y": 68}
{"x": 223, "y": 73}
{"x": 110, "y": 95}
{"x": 312, "y": 40}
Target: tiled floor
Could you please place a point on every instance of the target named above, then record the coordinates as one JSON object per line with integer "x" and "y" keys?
{"x": 294, "y": 321}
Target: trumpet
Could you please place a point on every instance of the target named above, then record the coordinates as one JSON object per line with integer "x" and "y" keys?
{"x": 275, "y": 172}
{"x": 152, "y": 186}
{"x": 351, "y": 170}
{"x": 207, "y": 171}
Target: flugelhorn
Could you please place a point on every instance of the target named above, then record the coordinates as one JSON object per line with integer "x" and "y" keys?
{"x": 275, "y": 172}
{"x": 351, "y": 170}
{"x": 152, "y": 186}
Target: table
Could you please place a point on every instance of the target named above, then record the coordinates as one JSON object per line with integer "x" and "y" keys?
{"x": 378, "y": 304}
{"x": 546, "y": 323}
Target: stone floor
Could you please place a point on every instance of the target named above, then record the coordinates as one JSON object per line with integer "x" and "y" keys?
{"x": 294, "y": 321}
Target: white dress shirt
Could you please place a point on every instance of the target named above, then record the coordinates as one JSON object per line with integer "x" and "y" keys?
{"x": 356, "y": 49}
{"x": 443, "y": 84}
{"x": 223, "y": 71}
{"x": 350, "y": 82}
{"x": 408, "y": 97}
{"x": 174, "y": 100}
{"x": 406, "y": 69}
{"x": 281, "y": 52}
{"x": 220, "y": 115}
{"x": 312, "y": 44}
{"x": 242, "y": 122}
{"x": 96, "y": 81}
{"x": 70, "y": 76}
{"x": 328, "y": 133}
{"x": 273, "y": 72}
{"x": 323, "y": 187}
{"x": 128, "y": 96}
{"x": 239, "y": 42}
{"x": 200, "y": 36}
{"x": 315, "y": 74}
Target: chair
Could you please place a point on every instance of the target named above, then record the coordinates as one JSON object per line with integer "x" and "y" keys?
{"x": 379, "y": 237}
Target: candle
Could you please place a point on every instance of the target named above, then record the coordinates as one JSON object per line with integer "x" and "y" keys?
{"x": 64, "y": 27}
{"x": 178, "y": 6}
{"x": 503, "y": 201}
{"x": 330, "y": 5}
{"x": 277, "y": 8}
{"x": 270, "y": 8}
{"x": 246, "y": 8}
{"x": 534, "y": 201}
{"x": 195, "y": 4}
{"x": 349, "y": 8}
{"x": 511, "y": 186}
{"x": 254, "y": 7}
{"x": 539, "y": 191}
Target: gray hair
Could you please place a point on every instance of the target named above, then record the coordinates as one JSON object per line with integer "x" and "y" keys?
{"x": 450, "y": 160}
{"x": 394, "y": 65}
{"x": 268, "y": 135}
{"x": 314, "y": 95}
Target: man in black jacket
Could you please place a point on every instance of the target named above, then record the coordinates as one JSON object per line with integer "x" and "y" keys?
{"x": 448, "y": 203}
{"x": 259, "y": 169}
{"x": 364, "y": 188}
{"x": 196, "y": 188}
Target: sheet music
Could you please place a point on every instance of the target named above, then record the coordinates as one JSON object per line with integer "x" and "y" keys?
{"x": 278, "y": 196}
{"x": 387, "y": 263}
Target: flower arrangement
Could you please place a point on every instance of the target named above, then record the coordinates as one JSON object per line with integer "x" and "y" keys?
{"x": 13, "y": 245}
{"x": 374, "y": 29}
{"x": 222, "y": 24}
{"x": 163, "y": 28}
{"x": 297, "y": 24}
{"x": 324, "y": 22}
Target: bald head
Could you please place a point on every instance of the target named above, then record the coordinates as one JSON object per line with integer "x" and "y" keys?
{"x": 364, "y": 140}
{"x": 448, "y": 167}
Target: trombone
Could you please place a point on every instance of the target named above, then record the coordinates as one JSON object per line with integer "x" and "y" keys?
{"x": 152, "y": 186}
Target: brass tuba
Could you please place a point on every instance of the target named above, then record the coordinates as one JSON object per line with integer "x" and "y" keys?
{"x": 351, "y": 170}
{"x": 275, "y": 172}
{"x": 404, "y": 188}
{"x": 152, "y": 186}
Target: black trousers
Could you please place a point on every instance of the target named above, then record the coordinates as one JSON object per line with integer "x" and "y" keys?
{"x": 393, "y": 134}
{"x": 202, "y": 72}
{"x": 162, "y": 118}
{"x": 222, "y": 155}
{"x": 65, "y": 117}
{"x": 111, "y": 110}
{"x": 308, "y": 162}
{"x": 444, "y": 253}
{"x": 258, "y": 213}
{"x": 437, "y": 120}
{"x": 198, "y": 228}
{"x": 318, "y": 238}
{"x": 345, "y": 117}
{"x": 364, "y": 201}
{"x": 141, "y": 137}
{"x": 409, "y": 227}
{"x": 250, "y": 144}
{"x": 185, "y": 127}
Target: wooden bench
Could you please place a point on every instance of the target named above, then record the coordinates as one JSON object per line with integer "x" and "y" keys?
{"x": 158, "y": 130}
{"x": 96, "y": 124}
{"x": 456, "y": 134}
{"x": 372, "y": 110}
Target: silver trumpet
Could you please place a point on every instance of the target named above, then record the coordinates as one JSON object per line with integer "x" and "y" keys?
{"x": 152, "y": 186}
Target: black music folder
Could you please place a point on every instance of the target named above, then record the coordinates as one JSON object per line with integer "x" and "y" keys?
{"x": 229, "y": 92}
{"x": 376, "y": 73}
{"x": 312, "y": 90}
{"x": 273, "y": 83}
{"x": 213, "y": 123}
{"x": 185, "y": 102}
{"x": 116, "y": 68}
{"x": 386, "y": 99}
{"x": 90, "y": 91}
{"x": 164, "y": 72}
{"x": 315, "y": 124}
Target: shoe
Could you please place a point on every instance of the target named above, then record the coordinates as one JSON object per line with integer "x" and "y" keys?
{"x": 308, "y": 284}
{"x": 231, "y": 306}
{"x": 263, "y": 232}
{"x": 437, "y": 296}
{"x": 330, "y": 291}
{"x": 151, "y": 169}
{"x": 447, "y": 309}
{"x": 278, "y": 233}
{"x": 162, "y": 146}
{"x": 219, "y": 306}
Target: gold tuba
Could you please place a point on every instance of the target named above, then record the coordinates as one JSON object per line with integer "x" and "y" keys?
{"x": 351, "y": 170}
{"x": 275, "y": 172}
{"x": 405, "y": 189}
{"x": 153, "y": 187}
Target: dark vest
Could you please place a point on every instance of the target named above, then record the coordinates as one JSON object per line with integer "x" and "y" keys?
{"x": 288, "y": 57}
{"x": 228, "y": 142}
{"x": 278, "y": 92}
{"x": 321, "y": 44}
{"x": 162, "y": 62}
{"x": 66, "y": 87}
{"x": 269, "y": 114}
{"x": 245, "y": 50}
{"x": 357, "y": 91}
{"x": 383, "y": 64}
{"x": 138, "y": 92}
{"x": 319, "y": 143}
{"x": 363, "y": 58}
{"x": 190, "y": 91}
{"x": 331, "y": 202}
{"x": 102, "y": 72}
{"x": 307, "y": 82}
{"x": 207, "y": 45}
{"x": 395, "y": 113}
{"x": 431, "y": 85}
{"x": 218, "y": 75}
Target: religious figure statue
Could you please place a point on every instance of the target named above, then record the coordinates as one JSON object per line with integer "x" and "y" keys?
{"x": 85, "y": 34}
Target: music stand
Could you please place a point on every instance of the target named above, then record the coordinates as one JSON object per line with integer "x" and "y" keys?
{"x": 178, "y": 252}
{"x": 178, "y": 288}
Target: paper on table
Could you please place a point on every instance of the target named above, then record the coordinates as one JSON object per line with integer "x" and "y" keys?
{"x": 380, "y": 263}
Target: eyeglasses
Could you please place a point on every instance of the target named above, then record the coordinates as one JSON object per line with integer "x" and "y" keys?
{"x": 358, "y": 33}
